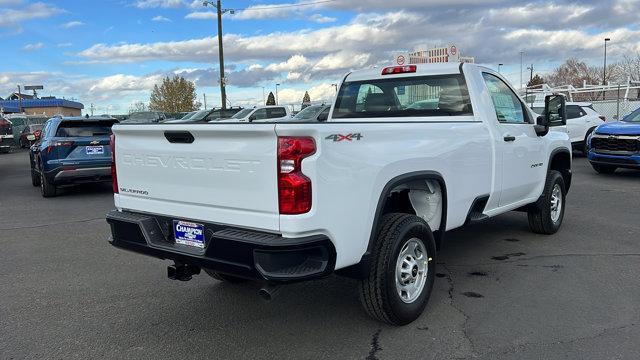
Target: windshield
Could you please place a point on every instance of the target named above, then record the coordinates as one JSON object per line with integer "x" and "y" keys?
{"x": 309, "y": 112}
{"x": 143, "y": 117}
{"x": 188, "y": 115}
{"x": 199, "y": 115}
{"x": 84, "y": 128}
{"x": 242, "y": 113}
{"x": 634, "y": 117}
{"x": 425, "y": 96}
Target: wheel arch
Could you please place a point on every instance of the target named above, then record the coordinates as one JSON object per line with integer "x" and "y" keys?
{"x": 360, "y": 270}
{"x": 560, "y": 160}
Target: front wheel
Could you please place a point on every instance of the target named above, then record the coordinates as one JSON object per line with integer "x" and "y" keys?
{"x": 35, "y": 178}
{"x": 545, "y": 216}
{"x": 401, "y": 276}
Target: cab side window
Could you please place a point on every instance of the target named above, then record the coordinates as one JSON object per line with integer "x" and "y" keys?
{"x": 509, "y": 108}
{"x": 276, "y": 112}
{"x": 260, "y": 114}
{"x": 574, "y": 112}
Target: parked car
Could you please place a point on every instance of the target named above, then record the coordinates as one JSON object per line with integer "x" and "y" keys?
{"x": 260, "y": 114}
{"x": 616, "y": 145}
{"x": 204, "y": 116}
{"x": 145, "y": 117}
{"x": 72, "y": 150}
{"x": 6, "y": 135}
{"x": 313, "y": 113}
{"x": 368, "y": 194}
{"x": 581, "y": 121}
{"x": 29, "y": 135}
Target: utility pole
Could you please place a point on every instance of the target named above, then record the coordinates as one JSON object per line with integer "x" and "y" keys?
{"x": 531, "y": 77}
{"x": 205, "y": 101}
{"x": 500, "y": 68}
{"x": 220, "y": 10}
{"x": 277, "y": 93}
{"x": 263, "y": 101}
{"x": 20, "y": 99}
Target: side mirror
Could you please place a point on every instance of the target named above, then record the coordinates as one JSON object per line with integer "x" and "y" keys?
{"x": 252, "y": 117}
{"x": 555, "y": 110}
{"x": 541, "y": 126}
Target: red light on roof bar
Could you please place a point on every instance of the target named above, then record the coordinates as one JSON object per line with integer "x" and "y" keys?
{"x": 399, "y": 69}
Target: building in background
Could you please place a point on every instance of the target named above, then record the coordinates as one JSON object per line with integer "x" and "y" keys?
{"x": 450, "y": 53}
{"x": 45, "y": 107}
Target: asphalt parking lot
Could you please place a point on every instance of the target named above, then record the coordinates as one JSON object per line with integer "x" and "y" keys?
{"x": 501, "y": 292}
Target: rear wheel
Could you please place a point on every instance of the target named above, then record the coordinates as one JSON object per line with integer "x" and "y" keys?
{"x": 46, "y": 189}
{"x": 545, "y": 216}
{"x": 402, "y": 272}
{"x": 224, "y": 277}
{"x": 35, "y": 178}
{"x": 604, "y": 169}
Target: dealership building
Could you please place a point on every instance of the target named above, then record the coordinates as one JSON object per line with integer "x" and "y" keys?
{"x": 45, "y": 107}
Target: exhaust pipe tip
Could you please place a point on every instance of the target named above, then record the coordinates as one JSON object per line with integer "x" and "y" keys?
{"x": 269, "y": 292}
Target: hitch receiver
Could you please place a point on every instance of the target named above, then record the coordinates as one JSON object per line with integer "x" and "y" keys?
{"x": 182, "y": 272}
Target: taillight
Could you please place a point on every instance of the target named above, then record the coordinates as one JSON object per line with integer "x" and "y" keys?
{"x": 59, "y": 143}
{"x": 294, "y": 188}
{"x": 114, "y": 175}
{"x": 399, "y": 69}
{"x": 37, "y": 133}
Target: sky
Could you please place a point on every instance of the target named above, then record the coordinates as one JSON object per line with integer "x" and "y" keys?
{"x": 110, "y": 53}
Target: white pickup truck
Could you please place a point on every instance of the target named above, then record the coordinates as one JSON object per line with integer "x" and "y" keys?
{"x": 370, "y": 193}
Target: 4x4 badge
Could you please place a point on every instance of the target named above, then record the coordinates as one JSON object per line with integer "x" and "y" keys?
{"x": 348, "y": 137}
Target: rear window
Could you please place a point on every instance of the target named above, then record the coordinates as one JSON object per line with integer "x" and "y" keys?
{"x": 84, "y": 129}
{"x": 442, "y": 95}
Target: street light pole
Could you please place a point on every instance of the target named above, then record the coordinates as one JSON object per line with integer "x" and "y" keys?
{"x": 604, "y": 72}
{"x": 277, "y": 93}
{"x": 500, "y": 67}
{"x": 521, "y": 65}
{"x": 220, "y": 11}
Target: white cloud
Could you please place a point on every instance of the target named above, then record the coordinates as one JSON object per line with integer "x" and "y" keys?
{"x": 64, "y": 45}
{"x": 160, "y": 18}
{"x": 321, "y": 19}
{"x": 11, "y": 17}
{"x": 201, "y": 15}
{"x": 296, "y": 62}
{"x": 149, "y": 4}
{"x": 33, "y": 47}
{"x": 72, "y": 24}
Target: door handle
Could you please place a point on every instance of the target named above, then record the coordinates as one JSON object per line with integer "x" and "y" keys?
{"x": 509, "y": 138}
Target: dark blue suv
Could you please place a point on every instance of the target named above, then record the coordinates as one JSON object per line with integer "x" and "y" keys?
{"x": 71, "y": 150}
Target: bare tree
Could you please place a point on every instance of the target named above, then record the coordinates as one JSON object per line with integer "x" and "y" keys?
{"x": 138, "y": 106}
{"x": 630, "y": 67}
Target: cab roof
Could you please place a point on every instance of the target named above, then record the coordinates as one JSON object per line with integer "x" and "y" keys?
{"x": 421, "y": 70}
{"x": 84, "y": 118}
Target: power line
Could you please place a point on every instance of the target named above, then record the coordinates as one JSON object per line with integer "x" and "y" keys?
{"x": 285, "y": 6}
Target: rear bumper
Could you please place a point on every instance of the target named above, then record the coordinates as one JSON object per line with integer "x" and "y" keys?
{"x": 622, "y": 161}
{"x": 242, "y": 253}
{"x": 64, "y": 175}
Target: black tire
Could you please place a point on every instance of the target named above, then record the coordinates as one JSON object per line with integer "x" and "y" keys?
{"x": 604, "y": 169}
{"x": 224, "y": 277}
{"x": 35, "y": 178}
{"x": 21, "y": 144}
{"x": 585, "y": 144}
{"x": 46, "y": 188}
{"x": 378, "y": 293}
{"x": 540, "y": 216}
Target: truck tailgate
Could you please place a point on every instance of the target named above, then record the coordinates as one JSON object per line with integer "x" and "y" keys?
{"x": 226, "y": 174}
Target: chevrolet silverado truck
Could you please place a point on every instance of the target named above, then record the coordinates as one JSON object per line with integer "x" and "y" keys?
{"x": 369, "y": 193}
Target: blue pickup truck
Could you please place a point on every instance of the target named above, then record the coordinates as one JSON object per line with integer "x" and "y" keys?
{"x": 616, "y": 145}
